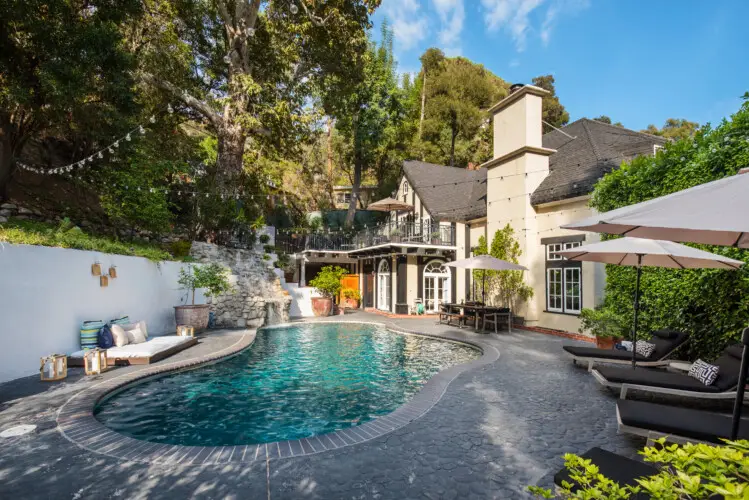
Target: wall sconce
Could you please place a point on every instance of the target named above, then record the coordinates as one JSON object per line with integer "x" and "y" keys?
{"x": 113, "y": 272}
{"x": 53, "y": 367}
{"x": 96, "y": 269}
{"x": 95, "y": 361}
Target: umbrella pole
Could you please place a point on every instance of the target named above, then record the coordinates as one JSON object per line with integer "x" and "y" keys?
{"x": 637, "y": 310}
{"x": 483, "y": 287}
{"x": 740, "y": 388}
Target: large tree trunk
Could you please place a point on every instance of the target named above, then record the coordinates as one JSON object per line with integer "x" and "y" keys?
{"x": 230, "y": 158}
{"x": 454, "y": 134}
{"x": 6, "y": 167}
{"x": 423, "y": 102}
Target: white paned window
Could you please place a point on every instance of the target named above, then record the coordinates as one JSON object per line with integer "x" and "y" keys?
{"x": 572, "y": 296}
{"x": 563, "y": 280}
{"x": 554, "y": 290}
{"x": 552, "y": 249}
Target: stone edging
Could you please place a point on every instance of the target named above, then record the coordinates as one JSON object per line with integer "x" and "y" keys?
{"x": 76, "y": 421}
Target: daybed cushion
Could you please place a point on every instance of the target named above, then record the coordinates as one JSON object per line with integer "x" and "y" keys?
{"x": 654, "y": 377}
{"x": 147, "y": 349}
{"x": 621, "y": 469}
{"x": 685, "y": 422}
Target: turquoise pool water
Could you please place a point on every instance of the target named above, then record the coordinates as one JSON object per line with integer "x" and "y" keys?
{"x": 293, "y": 382}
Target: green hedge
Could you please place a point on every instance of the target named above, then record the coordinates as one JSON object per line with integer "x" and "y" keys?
{"x": 713, "y": 305}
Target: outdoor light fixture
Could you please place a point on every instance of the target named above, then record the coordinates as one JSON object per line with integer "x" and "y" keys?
{"x": 185, "y": 331}
{"x": 96, "y": 269}
{"x": 95, "y": 361}
{"x": 113, "y": 272}
{"x": 53, "y": 367}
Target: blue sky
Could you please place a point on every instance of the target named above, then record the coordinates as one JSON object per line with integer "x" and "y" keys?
{"x": 637, "y": 61}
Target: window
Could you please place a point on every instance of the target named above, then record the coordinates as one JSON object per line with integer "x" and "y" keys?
{"x": 656, "y": 148}
{"x": 405, "y": 191}
{"x": 343, "y": 198}
{"x": 563, "y": 279}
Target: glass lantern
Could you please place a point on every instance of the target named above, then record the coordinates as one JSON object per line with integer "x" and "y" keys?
{"x": 95, "y": 361}
{"x": 53, "y": 367}
{"x": 185, "y": 331}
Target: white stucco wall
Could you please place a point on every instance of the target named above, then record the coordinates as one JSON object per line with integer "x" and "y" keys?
{"x": 45, "y": 294}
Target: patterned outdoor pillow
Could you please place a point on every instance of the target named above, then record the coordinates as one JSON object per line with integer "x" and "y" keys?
{"x": 704, "y": 372}
{"x": 645, "y": 349}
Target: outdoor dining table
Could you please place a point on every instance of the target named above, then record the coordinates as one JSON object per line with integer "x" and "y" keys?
{"x": 479, "y": 311}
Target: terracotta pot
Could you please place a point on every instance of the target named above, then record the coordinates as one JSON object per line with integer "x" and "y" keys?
{"x": 322, "y": 306}
{"x": 605, "y": 342}
{"x": 350, "y": 304}
{"x": 194, "y": 316}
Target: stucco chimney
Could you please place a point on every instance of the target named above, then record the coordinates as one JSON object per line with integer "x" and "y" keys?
{"x": 517, "y": 120}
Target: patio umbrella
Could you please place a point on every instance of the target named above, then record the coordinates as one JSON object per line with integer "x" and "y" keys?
{"x": 388, "y": 205}
{"x": 640, "y": 252}
{"x": 485, "y": 263}
{"x": 713, "y": 213}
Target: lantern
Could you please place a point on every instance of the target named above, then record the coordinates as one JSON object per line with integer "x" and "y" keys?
{"x": 53, "y": 367}
{"x": 96, "y": 269}
{"x": 185, "y": 331}
{"x": 103, "y": 281}
{"x": 95, "y": 361}
{"x": 113, "y": 272}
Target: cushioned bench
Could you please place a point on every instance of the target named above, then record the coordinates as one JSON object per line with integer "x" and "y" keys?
{"x": 154, "y": 349}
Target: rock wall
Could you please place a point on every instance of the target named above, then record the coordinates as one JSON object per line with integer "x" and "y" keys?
{"x": 258, "y": 299}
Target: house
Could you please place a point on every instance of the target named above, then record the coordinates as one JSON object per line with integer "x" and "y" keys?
{"x": 535, "y": 183}
{"x": 342, "y": 196}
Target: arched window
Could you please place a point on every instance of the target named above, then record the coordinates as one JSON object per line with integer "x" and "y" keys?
{"x": 405, "y": 191}
{"x": 383, "y": 285}
{"x": 437, "y": 288}
{"x": 436, "y": 267}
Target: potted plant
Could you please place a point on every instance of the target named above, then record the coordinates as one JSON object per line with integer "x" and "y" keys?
{"x": 395, "y": 236}
{"x": 351, "y": 297}
{"x": 436, "y": 237}
{"x": 328, "y": 284}
{"x": 607, "y": 326}
{"x": 214, "y": 278}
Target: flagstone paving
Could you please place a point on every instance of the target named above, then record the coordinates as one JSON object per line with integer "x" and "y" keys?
{"x": 499, "y": 425}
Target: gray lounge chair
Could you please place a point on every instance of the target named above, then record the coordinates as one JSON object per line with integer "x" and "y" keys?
{"x": 666, "y": 342}
{"x": 653, "y": 421}
{"x": 676, "y": 384}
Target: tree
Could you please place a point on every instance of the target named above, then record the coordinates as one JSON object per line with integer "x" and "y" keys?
{"x": 64, "y": 72}
{"x": 553, "y": 111}
{"x": 674, "y": 128}
{"x": 606, "y": 119}
{"x": 245, "y": 68}
{"x": 367, "y": 114}
{"x": 505, "y": 288}
{"x": 431, "y": 60}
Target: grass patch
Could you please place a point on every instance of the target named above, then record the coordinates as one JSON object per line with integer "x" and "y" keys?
{"x": 65, "y": 235}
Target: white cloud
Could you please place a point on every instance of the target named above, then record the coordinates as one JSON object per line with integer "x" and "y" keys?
{"x": 408, "y": 21}
{"x": 515, "y": 63}
{"x": 452, "y": 16}
{"x": 515, "y": 17}
{"x": 453, "y": 51}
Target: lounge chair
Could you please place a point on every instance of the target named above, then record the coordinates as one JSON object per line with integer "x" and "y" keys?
{"x": 151, "y": 351}
{"x": 622, "y": 470}
{"x": 653, "y": 421}
{"x": 675, "y": 384}
{"x": 666, "y": 342}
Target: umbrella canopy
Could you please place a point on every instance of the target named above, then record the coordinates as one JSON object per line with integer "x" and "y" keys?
{"x": 713, "y": 213}
{"x": 486, "y": 263}
{"x": 649, "y": 253}
{"x": 641, "y": 252}
{"x": 388, "y": 205}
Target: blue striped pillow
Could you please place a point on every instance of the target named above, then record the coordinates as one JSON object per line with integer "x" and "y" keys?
{"x": 90, "y": 334}
{"x": 121, "y": 321}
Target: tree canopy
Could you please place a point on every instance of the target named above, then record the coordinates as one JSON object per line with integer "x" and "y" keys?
{"x": 674, "y": 128}
{"x": 553, "y": 111}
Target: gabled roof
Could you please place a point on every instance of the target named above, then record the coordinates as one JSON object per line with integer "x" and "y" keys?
{"x": 597, "y": 149}
{"x": 448, "y": 193}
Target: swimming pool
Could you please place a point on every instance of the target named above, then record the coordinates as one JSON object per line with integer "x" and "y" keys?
{"x": 294, "y": 382}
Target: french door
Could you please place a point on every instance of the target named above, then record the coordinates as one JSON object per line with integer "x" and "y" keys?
{"x": 383, "y": 286}
{"x": 436, "y": 286}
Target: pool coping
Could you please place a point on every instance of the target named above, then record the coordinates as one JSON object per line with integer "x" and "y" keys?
{"x": 76, "y": 421}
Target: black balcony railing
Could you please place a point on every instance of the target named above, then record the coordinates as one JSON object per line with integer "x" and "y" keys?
{"x": 425, "y": 233}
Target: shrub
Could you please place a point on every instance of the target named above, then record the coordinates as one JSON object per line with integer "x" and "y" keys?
{"x": 264, "y": 238}
{"x": 603, "y": 323}
{"x": 351, "y": 294}
{"x": 213, "y": 277}
{"x": 269, "y": 249}
{"x": 266, "y": 256}
{"x": 690, "y": 471}
{"x": 283, "y": 261}
{"x": 328, "y": 281}
{"x": 180, "y": 249}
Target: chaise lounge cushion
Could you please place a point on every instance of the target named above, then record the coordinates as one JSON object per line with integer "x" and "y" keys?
{"x": 621, "y": 469}
{"x": 603, "y": 354}
{"x": 152, "y": 347}
{"x": 665, "y": 342}
{"x": 685, "y": 422}
{"x": 654, "y": 377}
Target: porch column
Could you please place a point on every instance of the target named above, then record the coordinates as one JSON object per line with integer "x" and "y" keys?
{"x": 393, "y": 283}
{"x": 302, "y": 279}
{"x": 359, "y": 268}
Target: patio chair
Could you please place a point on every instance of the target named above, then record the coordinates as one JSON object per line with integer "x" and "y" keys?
{"x": 679, "y": 425}
{"x": 622, "y": 470}
{"x": 655, "y": 381}
{"x": 666, "y": 342}
{"x": 494, "y": 316}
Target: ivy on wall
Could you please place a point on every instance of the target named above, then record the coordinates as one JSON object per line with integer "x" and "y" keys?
{"x": 712, "y": 305}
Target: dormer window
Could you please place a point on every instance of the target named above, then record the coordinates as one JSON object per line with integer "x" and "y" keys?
{"x": 405, "y": 190}
{"x": 656, "y": 148}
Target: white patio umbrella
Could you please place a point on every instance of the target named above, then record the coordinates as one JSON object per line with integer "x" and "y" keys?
{"x": 640, "y": 252}
{"x": 713, "y": 213}
{"x": 485, "y": 263}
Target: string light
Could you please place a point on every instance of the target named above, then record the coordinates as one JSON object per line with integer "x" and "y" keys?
{"x": 294, "y": 9}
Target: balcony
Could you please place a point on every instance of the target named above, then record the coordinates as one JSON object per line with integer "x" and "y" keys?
{"x": 400, "y": 233}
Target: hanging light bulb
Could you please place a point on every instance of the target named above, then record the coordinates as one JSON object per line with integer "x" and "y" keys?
{"x": 227, "y": 59}
{"x": 179, "y": 193}
{"x": 116, "y": 144}
{"x": 169, "y": 108}
{"x": 152, "y": 119}
{"x": 250, "y": 32}
{"x": 206, "y": 195}
{"x": 206, "y": 79}
{"x": 141, "y": 130}
{"x": 111, "y": 151}
{"x": 294, "y": 9}
{"x": 100, "y": 155}
{"x": 127, "y": 138}
{"x": 193, "y": 195}
{"x": 138, "y": 188}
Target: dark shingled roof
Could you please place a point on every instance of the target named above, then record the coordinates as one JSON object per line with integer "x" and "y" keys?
{"x": 598, "y": 148}
{"x": 447, "y": 192}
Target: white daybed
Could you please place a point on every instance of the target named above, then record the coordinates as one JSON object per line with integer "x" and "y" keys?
{"x": 154, "y": 349}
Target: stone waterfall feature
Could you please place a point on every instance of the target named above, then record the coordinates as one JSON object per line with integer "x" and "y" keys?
{"x": 258, "y": 298}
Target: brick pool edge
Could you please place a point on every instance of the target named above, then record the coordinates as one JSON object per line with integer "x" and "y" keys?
{"x": 76, "y": 421}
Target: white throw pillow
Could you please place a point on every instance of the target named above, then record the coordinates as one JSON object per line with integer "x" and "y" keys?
{"x": 645, "y": 349}
{"x": 119, "y": 335}
{"x": 133, "y": 326}
{"x": 704, "y": 372}
{"x": 135, "y": 336}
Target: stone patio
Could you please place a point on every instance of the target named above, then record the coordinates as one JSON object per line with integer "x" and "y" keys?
{"x": 498, "y": 426}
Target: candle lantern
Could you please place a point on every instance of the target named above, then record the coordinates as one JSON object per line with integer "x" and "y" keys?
{"x": 53, "y": 367}
{"x": 185, "y": 331}
{"x": 95, "y": 361}
{"x": 103, "y": 281}
{"x": 96, "y": 269}
{"x": 113, "y": 272}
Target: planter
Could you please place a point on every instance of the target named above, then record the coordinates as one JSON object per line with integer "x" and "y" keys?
{"x": 194, "y": 316}
{"x": 606, "y": 342}
{"x": 350, "y": 304}
{"x": 322, "y": 306}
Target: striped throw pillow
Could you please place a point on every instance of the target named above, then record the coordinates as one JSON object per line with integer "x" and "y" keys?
{"x": 704, "y": 372}
{"x": 90, "y": 334}
{"x": 121, "y": 321}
